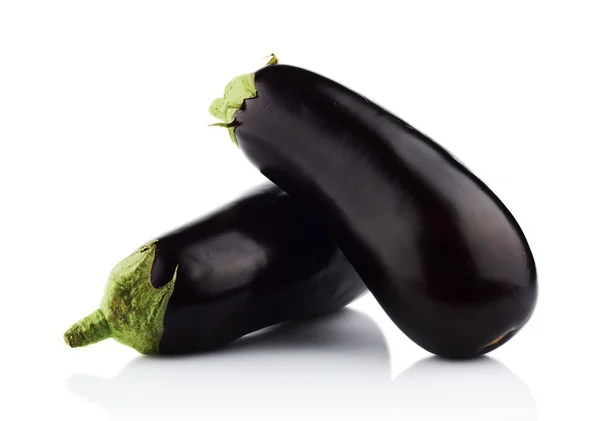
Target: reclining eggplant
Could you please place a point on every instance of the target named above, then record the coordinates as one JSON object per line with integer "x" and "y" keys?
{"x": 261, "y": 260}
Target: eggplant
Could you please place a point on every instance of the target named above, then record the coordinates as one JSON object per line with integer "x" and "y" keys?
{"x": 440, "y": 252}
{"x": 261, "y": 260}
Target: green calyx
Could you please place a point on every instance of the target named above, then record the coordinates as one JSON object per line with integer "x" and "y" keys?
{"x": 132, "y": 310}
{"x": 236, "y": 92}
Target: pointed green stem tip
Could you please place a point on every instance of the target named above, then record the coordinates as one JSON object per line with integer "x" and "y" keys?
{"x": 89, "y": 330}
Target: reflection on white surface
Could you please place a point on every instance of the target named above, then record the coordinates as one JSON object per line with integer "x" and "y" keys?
{"x": 483, "y": 389}
{"x": 316, "y": 369}
{"x": 325, "y": 369}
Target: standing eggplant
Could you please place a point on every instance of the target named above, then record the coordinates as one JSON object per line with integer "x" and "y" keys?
{"x": 261, "y": 260}
{"x": 439, "y": 251}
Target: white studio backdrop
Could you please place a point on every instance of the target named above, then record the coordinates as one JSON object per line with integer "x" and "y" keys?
{"x": 104, "y": 144}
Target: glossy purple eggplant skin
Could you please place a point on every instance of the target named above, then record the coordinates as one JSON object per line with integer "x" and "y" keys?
{"x": 439, "y": 251}
{"x": 261, "y": 260}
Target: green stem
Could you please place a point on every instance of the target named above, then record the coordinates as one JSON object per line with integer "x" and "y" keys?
{"x": 91, "y": 329}
{"x": 272, "y": 60}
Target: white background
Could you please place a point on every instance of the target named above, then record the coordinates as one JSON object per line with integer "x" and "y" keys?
{"x": 105, "y": 144}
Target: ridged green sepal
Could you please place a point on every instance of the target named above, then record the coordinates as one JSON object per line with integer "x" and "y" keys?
{"x": 238, "y": 90}
{"x": 132, "y": 310}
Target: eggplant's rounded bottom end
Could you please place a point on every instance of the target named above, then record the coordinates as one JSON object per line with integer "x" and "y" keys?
{"x": 457, "y": 356}
{"x": 453, "y": 353}
{"x": 498, "y": 342}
